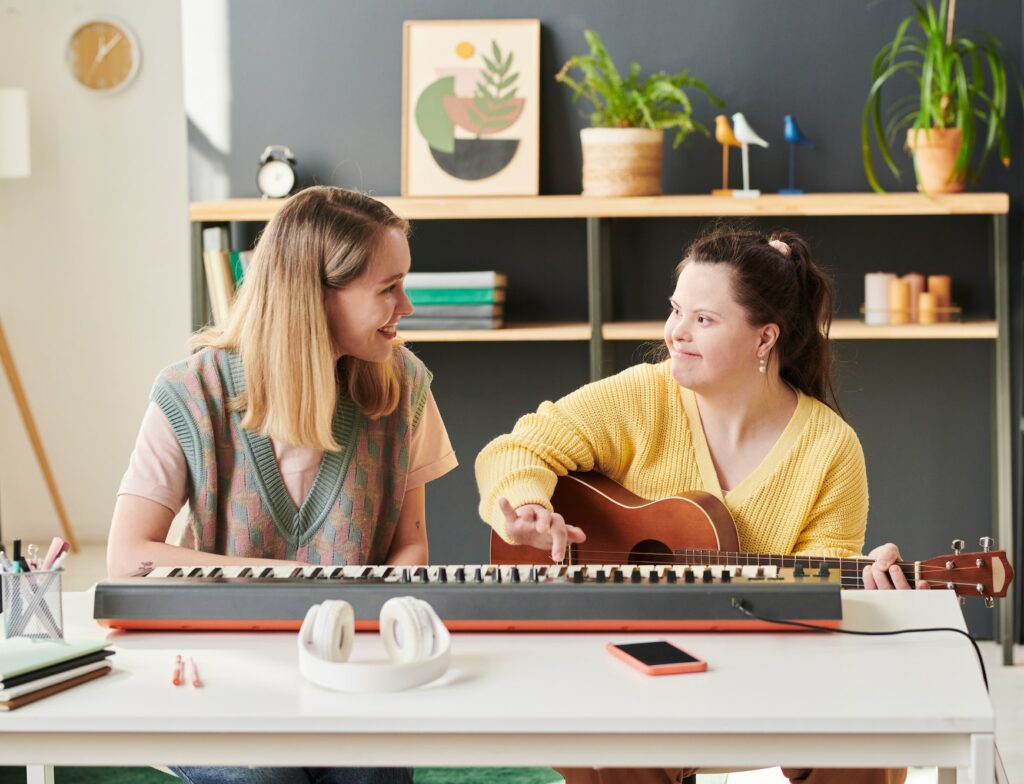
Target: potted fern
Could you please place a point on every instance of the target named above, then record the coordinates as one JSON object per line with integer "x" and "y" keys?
{"x": 622, "y": 152}
{"x": 961, "y": 100}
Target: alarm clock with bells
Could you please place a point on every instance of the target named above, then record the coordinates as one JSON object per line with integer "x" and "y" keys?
{"x": 276, "y": 175}
{"x": 416, "y": 640}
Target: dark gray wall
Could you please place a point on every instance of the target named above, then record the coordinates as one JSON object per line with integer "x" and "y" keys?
{"x": 325, "y": 78}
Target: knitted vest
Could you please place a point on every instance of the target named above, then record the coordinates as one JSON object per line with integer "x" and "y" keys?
{"x": 238, "y": 502}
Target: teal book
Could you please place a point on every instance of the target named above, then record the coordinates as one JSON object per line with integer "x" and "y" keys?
{"x": 19, "y": 655}
{"x": 455, "y": 296}
{"x": 237, "y": 268}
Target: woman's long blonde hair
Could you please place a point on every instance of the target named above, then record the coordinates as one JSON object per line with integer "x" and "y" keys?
{"x": 321, "y": 238}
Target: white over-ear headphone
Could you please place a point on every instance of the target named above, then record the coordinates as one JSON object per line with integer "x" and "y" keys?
{"x": 416, "y": 640}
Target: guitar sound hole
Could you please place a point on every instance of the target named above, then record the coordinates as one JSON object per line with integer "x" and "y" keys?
{"x": 651, "y": 551}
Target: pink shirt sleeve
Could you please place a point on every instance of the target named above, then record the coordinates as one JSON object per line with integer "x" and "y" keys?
{"x": 430, "y": 453}
{"x": 157, "y": 469}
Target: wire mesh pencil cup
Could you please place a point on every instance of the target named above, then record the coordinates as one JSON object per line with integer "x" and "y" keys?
{"x": 32, "y": 605}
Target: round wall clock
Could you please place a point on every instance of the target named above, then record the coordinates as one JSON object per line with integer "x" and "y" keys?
{"x": 103, "y": 55}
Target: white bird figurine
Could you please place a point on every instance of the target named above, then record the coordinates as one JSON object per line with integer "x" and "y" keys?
{"x": 746, "y": 136}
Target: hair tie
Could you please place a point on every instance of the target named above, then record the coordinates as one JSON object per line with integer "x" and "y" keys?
{"x": 781, "y": 247}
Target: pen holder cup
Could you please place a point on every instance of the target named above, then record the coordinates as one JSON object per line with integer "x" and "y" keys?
{"x": 32, "y": 605}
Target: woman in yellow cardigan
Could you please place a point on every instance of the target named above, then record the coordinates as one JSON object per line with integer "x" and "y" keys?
{"x": 743, "y": 407}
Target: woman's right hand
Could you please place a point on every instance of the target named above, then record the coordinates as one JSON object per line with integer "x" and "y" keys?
{"x": 533, "y": 525}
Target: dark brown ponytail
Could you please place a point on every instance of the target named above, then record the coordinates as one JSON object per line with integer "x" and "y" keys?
{"x": 776, "y": 288}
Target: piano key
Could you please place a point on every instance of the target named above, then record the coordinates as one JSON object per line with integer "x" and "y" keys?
{"x": 312, "y": 572}
{"x": 194, "y": 571}
{"x": 771, "y": 572}
{"x": 336, "y": 572}
{"x": 232, "y": 572}
{"x": 213, "y": 571}
{"x": 161, "y": 571}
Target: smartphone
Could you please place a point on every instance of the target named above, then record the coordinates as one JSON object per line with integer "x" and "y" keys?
{"x": 659, "y": 657}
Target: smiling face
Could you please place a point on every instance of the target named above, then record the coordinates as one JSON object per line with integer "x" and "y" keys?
{"x": 710, "y": 340}
{"x": 362, "y": 317}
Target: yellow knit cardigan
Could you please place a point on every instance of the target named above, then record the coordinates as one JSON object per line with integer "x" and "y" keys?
{"x": 809, "y": 496}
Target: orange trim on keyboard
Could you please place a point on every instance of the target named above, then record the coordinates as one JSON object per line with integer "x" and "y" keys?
{"x": 475, "y": 626}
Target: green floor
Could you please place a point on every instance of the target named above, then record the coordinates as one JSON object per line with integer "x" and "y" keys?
{"x": 423, "y": 776}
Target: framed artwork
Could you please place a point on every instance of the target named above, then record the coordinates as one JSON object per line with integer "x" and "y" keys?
{"x": 471, "y": 107}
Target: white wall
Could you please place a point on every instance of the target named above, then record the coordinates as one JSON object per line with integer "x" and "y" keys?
{"x": 94, "y": 258}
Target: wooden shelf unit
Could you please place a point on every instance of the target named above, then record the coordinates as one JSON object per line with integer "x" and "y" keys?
{"x": 597, "y": 212}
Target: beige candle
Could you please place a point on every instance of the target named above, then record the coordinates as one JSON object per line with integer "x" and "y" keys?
{"x": 916, "y": 281}
{"x": 899, "y": 301}
{"x": 876, "y": 297}
{"x": 942, "y": 287}
{"x": 926, "y": 308}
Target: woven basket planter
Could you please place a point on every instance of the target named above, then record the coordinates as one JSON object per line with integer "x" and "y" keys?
{"x": 622, "y": 161}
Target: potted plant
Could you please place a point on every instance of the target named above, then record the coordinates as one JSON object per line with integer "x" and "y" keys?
{"x": 622, "y": 152}
{"x": 955, "y": 104}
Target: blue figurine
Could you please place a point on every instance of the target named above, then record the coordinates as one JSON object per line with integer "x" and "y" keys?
{"x": 794, "y": 136}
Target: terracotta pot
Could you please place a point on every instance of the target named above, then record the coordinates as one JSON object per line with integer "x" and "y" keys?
{"x": 935, "y": 151}
{"x": 622, "y": 161}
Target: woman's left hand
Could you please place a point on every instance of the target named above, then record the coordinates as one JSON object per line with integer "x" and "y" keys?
{"x": 885, "y": 574}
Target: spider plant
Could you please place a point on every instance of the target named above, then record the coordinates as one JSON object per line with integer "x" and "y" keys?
{"x": 961, "y": 83}
{"x": 658, "y": 102}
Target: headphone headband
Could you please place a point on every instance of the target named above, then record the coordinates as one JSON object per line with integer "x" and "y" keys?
{"x": 409, "y": 627}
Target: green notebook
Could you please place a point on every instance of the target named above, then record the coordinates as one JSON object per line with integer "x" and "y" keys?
{"x": 19, "y": 655}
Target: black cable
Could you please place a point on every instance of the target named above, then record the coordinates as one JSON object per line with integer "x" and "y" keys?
{"x": 740, "y": 605}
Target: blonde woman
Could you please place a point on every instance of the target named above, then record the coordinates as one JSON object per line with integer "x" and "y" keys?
{"x": 301, "y": 432}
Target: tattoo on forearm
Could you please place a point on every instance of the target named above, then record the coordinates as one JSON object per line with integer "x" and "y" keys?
{"x": 417, "y": 524}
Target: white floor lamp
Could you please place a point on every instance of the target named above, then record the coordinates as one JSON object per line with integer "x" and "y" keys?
{"x": 15, "y": 161}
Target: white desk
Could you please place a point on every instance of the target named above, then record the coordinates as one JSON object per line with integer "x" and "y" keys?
{"x": 538, "y": 699}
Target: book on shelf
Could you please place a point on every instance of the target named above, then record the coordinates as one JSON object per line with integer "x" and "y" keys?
{"x": 457, "y": 311}
{"x": 456, "y": 280}
{"x": 412, "y": 323}
{"x": 220, "y": 281}
{"x": 455, "y": 296}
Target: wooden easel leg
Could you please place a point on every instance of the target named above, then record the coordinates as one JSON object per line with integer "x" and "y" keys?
{"x": 33, "y": 434}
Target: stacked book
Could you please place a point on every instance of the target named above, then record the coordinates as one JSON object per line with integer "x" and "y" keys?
{"x": 455, "y": 300}
{"x": 32, "y": 669}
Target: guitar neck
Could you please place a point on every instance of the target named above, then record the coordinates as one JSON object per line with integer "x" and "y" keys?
{"x": 850, "y": 569}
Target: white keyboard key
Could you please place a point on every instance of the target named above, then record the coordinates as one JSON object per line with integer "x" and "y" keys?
{"x": 771, "y": 572}
{"x": 161, "y": 571}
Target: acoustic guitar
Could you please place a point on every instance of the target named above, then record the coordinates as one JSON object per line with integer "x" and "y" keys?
{"x": 697, "y": 528}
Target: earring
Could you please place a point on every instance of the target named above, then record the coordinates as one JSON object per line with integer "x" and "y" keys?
{"x": 761, "y": 368}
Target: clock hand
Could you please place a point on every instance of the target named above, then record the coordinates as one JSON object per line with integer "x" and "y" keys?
{"x": 105, "y": 49}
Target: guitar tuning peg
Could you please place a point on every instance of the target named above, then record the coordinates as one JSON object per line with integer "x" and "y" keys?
{"x": 986, "y": 543}
{"x": 958, "y": 546}
{"x": 990, "y": 602}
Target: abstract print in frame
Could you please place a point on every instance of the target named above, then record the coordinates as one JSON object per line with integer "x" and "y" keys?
{"x": 471, "y": 107}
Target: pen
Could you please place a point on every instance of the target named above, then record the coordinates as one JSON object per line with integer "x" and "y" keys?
{"x": 57, "y": 546}
{"x": 179, "y": 666}
{"x": 194, "y": 673}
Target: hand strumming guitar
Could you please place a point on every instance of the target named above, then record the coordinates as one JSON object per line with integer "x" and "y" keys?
{"x": 533, "y": 525}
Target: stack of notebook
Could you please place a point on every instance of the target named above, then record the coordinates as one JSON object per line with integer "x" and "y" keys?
{"x": 455, "y": 300}
{"x": 33, "y": 669}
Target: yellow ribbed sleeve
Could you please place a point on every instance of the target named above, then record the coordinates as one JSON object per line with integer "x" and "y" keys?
{"x": 808, "y": 496}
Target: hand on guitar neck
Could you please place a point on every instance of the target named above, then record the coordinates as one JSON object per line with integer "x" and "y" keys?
{"x": 533, "y": 525}
{"x": 885, "y": 574}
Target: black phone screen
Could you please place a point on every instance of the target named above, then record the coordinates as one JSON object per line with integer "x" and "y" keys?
{"x": 655, "y": 653}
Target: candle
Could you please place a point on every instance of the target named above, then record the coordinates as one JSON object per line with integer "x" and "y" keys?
{"x": 899, "y": 301}
{"x": 916, "y": 281}
{"x": 876, "y": 297}
{"x": 926, "y": 308}
{"x": 942, "y": 288}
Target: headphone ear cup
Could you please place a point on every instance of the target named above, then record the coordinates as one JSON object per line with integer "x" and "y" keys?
{"x": 333, "y": 631}
{"x": 406, "y": 629}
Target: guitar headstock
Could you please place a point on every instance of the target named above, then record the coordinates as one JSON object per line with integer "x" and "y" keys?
{"x": 987, "y": 573}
